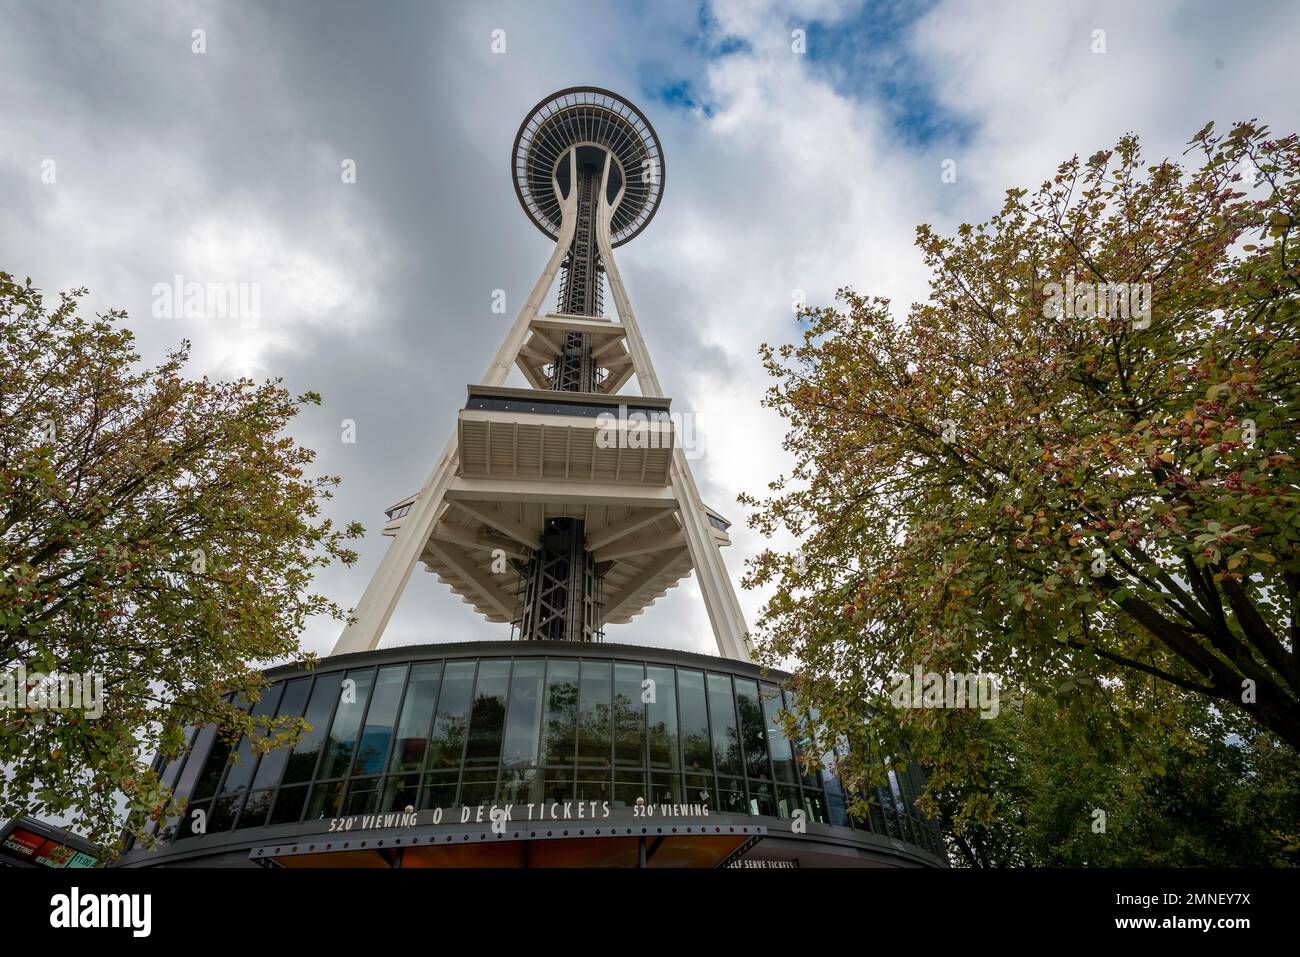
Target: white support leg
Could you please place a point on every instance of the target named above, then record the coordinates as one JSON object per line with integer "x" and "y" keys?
{"x": 725, "y": 614}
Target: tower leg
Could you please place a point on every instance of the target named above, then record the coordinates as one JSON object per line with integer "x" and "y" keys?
{"x": 725, "y": 614}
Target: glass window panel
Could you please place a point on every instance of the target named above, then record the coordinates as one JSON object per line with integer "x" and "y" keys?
{"x": 596, "y": 714}
{"x": 593, "y": 785}
{"x": 761, "y": 799}
{"x": 560, "y": 724}
{"x": 802, "y": 748}
{"x": 195, "y": 761}
{"x": 666, "y": 789}
{"x": 521, "y": 785}
{"x": 417, "y": 716}
{"x": 731, "y": 795}
{"x": 302, "y": 762}
{"x": 363, "y": 796}
{"x": 787, "y": 801}
{"x": 753, "y": 729}
{"x": 558, "y": 786}
{"x": 377, "y": 734}
{"x": 325, "y": 801}
{"x": 834, "y": 791}
{"x": 699, "y": 790}
{"x": 726, "y": 736}
{"x": 266, "y": 707}
{"x": 354, "y": 695}
{"x": 629, "y": 715}
{"x": 218, "y": 757}
{"x": 628, "y": 786}
{"x": 815, "y": 805}
{"x": 782, "y": 752}
{"x": 489, "y": 715}
{"x": 524, "y": 716}
{"x": 447, "y": 742}
{"x": 661, "y": 719}
{"x": 439, "y": 789}
{"x": 697, "y": 751}
{"x": 256, "y": 808}
{"x": 288, "y": 804}
{"x": 479, "y": 787}
{"x": 400, "y": 792}
{"x": 224, "y": 809}
{"x": 273, "y": 763}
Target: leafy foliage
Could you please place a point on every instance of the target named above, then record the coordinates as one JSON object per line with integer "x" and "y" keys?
{"x": 1073, "y": 502}
{"x": 155, "y": 530}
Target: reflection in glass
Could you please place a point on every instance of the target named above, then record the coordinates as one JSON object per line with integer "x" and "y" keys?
{"x": 593, "y": 785}
{"x": 302, "y": 762}
{"x": 363, "y": 796}
{"x": 524, "y": 716}
{"x": 245, "y": 762}
{"x": 661, "y": 719}
{"x": 255, "y": 809}
{"x": 628, "y": 786}
{"x": 731, "y": 796}
{"x": 288, "y": 804}
{"x": 697, "y": 751}
{"x": 787, "y": 801}
{"x": 400, "y": 792}
{"x": 782, "y": 753}
{"x": 560, "y": 722}
{"x": 342, "y": 738}
{"x": 761, "y": 800}
{"x": 558, "y": 786}
{"x": 665, "y": 789}
{"x": 596, "y": 714}
{"x": 478, "y": 787}
{"x": 372, "y": 751}
{"x": 489, "y": 715}
{"x": 521, "y": 785}
{"x": 629, "y": 715}
{"x": 325, "y": 800}
{"x": 699, "y": 790}
{"x": 726, "y": 737}
{"x": 447, "y": 741}
{"x": 753, "y": 729}
{"x": 273, "y": 763}
{"x": 417, "y": 715}
{"x": 439, "y": 789}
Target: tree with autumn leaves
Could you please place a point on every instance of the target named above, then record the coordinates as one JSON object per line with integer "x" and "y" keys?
{"x": 1099, "y": 509}
{"x": 157, "y": 531}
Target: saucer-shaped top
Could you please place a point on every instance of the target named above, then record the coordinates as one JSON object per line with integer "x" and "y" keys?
{"x": 594, "y": 121}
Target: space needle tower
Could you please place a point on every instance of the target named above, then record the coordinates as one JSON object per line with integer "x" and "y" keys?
{"x": 566, "y": 506}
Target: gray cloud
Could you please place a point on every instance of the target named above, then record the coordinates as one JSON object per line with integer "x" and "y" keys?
{"x": 226, "y": 167}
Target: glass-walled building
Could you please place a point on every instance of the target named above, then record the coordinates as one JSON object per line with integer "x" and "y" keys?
{"x": 530, "y": 753}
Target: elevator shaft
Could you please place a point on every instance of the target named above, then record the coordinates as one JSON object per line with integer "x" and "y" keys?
{"x": 561, "y": 600}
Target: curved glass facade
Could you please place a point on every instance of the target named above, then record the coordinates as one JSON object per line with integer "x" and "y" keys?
{"x": 589, "y": 725}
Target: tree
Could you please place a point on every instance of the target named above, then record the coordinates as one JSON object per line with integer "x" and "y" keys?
{"x": 157, "y": 533}
{"x": 1152, "y": 781}
{"x": 1073, "y": 467}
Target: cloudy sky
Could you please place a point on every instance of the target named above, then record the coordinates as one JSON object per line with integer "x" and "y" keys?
{"x": 786, "y": 171}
